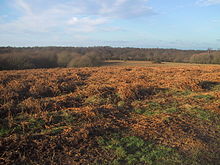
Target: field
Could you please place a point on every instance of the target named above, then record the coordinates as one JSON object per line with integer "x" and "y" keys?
{"x": 151, "y": 64}
{"x": 160, "y": 114}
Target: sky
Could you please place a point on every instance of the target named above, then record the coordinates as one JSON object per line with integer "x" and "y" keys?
{"x": 181, "y": 24}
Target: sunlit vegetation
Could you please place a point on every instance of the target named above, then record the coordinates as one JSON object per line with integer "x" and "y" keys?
{"x": 110, "y": 115}
{"x": 206, "y": 58}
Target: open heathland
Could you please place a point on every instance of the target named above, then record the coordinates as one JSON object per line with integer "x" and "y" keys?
{"x": 111, "y": 115}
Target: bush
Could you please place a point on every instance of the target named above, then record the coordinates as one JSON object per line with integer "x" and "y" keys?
{"x": 64, "y": 58}
{"x": 88, "y": 60}
{"x": 157, "y": 61}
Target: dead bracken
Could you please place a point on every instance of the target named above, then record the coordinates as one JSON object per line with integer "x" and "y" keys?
{"x": 122, "y": 115}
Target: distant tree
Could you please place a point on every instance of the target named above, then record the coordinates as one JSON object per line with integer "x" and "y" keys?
{"x": 205, "y": 58}
{"x": 209, "y": 51}
{"x": 19, "y": 62}
{"x": 64, "y": 57}
{"x": 216, "y": 58}
{"x": 50, "y": 57}
{"x": 88, "y": 60}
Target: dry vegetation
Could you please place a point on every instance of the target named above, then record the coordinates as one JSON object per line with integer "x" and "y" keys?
{"x": 111, "y": 115}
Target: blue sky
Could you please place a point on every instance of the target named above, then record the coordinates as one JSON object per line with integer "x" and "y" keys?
{"x": 183, "y": 24}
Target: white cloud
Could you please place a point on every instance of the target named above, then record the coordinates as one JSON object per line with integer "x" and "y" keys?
{"x": 125, "y": 8}
{"x": 69, "y": 17}
{"x": 87, "y": 21}
{"x": 208, "y": 2}
{"x": 85, "y": 24}
{"x": 23, "y": 6}
{"x": 112, "y": 29}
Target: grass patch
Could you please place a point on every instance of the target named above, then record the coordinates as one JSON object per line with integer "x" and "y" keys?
{"x": 181, "y": 93}
{"x": 53, "y": 131}
{"x": 28, "y": 124}
{"x": 63, "y": 117}
{"x": 95, "y": 100}
{"x": 154, "y": 108}
{"x": 4, "y": 131}
{"x": 101, "y": 100}
{"x": 134, "y": 150}
{"x": 36, "y": 123}
{"x": 205, "y": 97}
{"x": 203, "y": 114}
{"x": 121, "y": 104}
{"x": 55, "y": 121}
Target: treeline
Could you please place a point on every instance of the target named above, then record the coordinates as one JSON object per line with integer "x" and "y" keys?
{"x": 206, "y": 58}
{"x": 32, "y": 58}
{"x": 50, "y": 57}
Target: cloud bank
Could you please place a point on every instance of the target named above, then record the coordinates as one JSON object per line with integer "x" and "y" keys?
{"x": 72, "y": 15}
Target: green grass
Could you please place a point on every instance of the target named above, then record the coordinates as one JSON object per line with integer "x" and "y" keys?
{"x": 94, "y": 100}
{"x": 52, "y": 131}
{"x": 203, "y": 114}
{"x": 181, "y": 93}
{"x": 27, "y": 124}
{"x": 204, "y": 97}
{"x": 98, "y": 100}
{"x": 134, "y": 150}
{"x": 36, "y": 123}
{"x": 63, "y": 117}
{"x": 4, "y": 131}
{"x": 154, "y": 108}
{"x": 121, "y": 104}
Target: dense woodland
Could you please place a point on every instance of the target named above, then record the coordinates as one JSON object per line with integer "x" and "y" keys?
{"x": 51, "y": 57}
